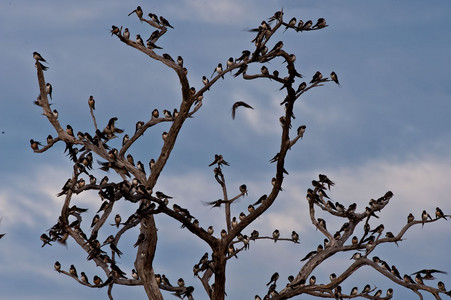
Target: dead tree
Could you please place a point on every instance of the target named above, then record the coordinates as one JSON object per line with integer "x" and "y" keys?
{"x": 137, "y": 186}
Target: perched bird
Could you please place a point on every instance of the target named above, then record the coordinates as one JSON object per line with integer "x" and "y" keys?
{"x": 114, "y": 30}
{"x": 439, "y": 213}
{"x": 141, "y": 238}
{"x": 332, "y": 277}
{"x": 138, "y": 11}
{"x": 126, "y": 34}
{"x": 139, "y": 40}
{"x": 35, "y": 145}
{"x": 117, "y": 220}
{"x": 238, "y": 104}
{"x": 84, "y": 278}
{"x": 57, "y": 266}
{"x": 92, "y": 103}
{"x": 73, "y": 271}
{"x": 317, "y": 77}
{"x": 38, "y": 57}
{"x": 321, "y": 23}
{"x": 154, "y": 18}
{"x": 273, "y": 279}
{"x": 307, "y": 25}
{"x": 424, "y": 217}
{"x": 243, "y": 189}
{"x": 419, "y": 279}
{"x": 309, "y": 255}
{"x": 165, "y": 22}
{"x": 410, "y": 218}
{"x": 275, "y": 235}
{"x": 48, "y": 90}
{"x": 354, "y": 291}
{"x": 135, "y": 274}
{"x": 218, "y": 70}
{"x": 334, "y": 78}
{"x": 366, "y": 289}
{"x": 295, "y": 236}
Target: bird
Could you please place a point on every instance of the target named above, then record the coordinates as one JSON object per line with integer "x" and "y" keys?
{"x": 243, "y": 189}
{"x": 117, "y": 220}
{"x": 273, "y": 279}
{"x": 307, "y": 25}
{"x": 309, "y": 255}
{"x": 92, "y": 103}
{"x": 241, "y": 70}
{"x": 139, "y": 40}
{"x": 154, "y": 18}
{"x": 84, "y": 278}
{"x": 410, "y": 218}
{"x": 57, "y": 266}
{"x": 38, "y": 57}
{"x": 165, "y": 22}
{"x": 219, "y": 160}
{"x": 334, "y": 78}
{"x": 141, "y": 238}
{"x": 35, "y": 145}
{"x": 48, "y": 90}
{"x": 73, "y": 271}
{"x": 135, "y": 274}
{"x": 275, "y": 235}
{"x": 295, "y": 236}
{"x": 238, "y": 104}
{"x": 114, "y": 30}
{"x": 317, "y": 77}
{"x": 419, "y": 279}
{"x": 439, "y": 213}
{"x": 126, "y": 34}
{"x": 321, "y": 23}
{"x": 45, "y": 239}
{"x": 218, "y": 70}
{"x": 424, "y": 217}
{"x": 428, "y": 273}
{"x": 138, "y": 12}
{"x": 277, "y": 46}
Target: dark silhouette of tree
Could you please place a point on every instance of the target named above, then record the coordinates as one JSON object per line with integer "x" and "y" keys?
{"x": 137, "y": 185}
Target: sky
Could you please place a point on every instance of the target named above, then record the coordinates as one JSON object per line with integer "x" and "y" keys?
{"x": 385, "y": 128}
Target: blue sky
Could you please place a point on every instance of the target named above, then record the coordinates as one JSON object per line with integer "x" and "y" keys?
{"x": 386, "y": 128}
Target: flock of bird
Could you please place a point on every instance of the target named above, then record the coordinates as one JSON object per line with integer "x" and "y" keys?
{"x": 135, "y": 191}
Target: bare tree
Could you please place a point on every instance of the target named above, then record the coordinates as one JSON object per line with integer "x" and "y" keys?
{"x": 137, "y": 186}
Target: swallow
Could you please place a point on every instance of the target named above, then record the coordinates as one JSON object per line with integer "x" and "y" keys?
{"x": 428, "y": 273}
{"x": 332, "y": 277}
{"x": 118, "y": 272}
{"x": 141, "y": 238}
{"x": 377, "y": 294}
{"x": 165, "y": 22}
{"x": 73, "y": 271}
{"x": 219, "y": 160}
{"x": 312, "y": 280}
{"x": 167, "y": 114}
{"x": 441, "y": 286}
{"x": 57, "y": 266}
{"x": 322, "y": 223}
{"x": 317, "y": 77}
{"x": 366, "y": 289}
{"x": 424, "y": 217}
{"x": 273, "y": 279}
{"x": 419, "y": 279}
{"x": 117, "y": 220}
{"x": 241, "y": 70}
{"x": 48, "y": 89}
{"x": 244, "y": 56}
{"x": 277, "y": 46}
{"x": 410, "y": 218}
{"x": 35, "y": 145}
{"x": 275, "y": 235}
{"x": 307, "y": 25}
{"x": 38, "y": 57}
{"x": 91, "y": 103}
{"x": 154, "y": 18}
{"x": 243, "y": 189}
{"x": 126, "y": 34}
{"x": 334, "y": 78}
{"x": 238, "y": 104}
{"x": 45, "y": 239}
{"x": 291, "y": 23}
{"x": 180, "y": 61}
{"x": 395, "y": 272}
{"x": 138, "y": 125}
{"x": 138, "y": 11}
{"x": 356, "y": 256}
{"x": 230, "y": 62}
{"x": 321, "y": 23}
{"x": 69, "y": 130}
{"x": 439, "y": 213}
{"x": 277, "y": 16}
{"x": 210, "y": 230}
{"x": 385, "y": 266}
{"x": 97, "y": 280}
{"x": 84, "y": 278}
{"x": 114, "y": 30}
{"x": 164, "y": 135}
{"x": 135, "y": 274}
{"x": 309, "y": 255}
{"x": 218, "y": 70}
{"x": 295, "y": 237}
{"x": 408, "y": 279}
{"x": 151, "y": 45}
{"x": 139, "y": 40}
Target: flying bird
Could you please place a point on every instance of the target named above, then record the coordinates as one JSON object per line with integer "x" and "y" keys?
{"x": 238, "y": 104}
